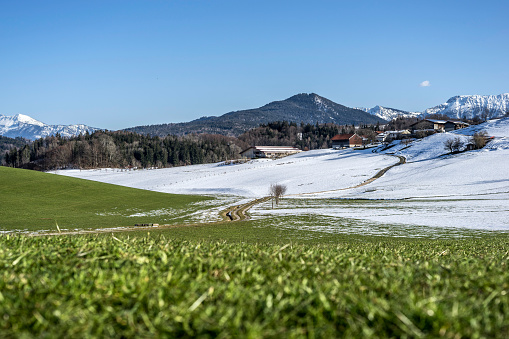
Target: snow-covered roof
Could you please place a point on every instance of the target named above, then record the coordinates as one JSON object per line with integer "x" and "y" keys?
{"x": 277, "y": 149}
{"x": 436, "y": 121}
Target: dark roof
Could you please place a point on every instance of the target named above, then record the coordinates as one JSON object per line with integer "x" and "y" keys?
{"x": 339, "y": 137}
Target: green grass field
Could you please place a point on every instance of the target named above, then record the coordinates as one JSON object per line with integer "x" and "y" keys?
{"x": 261, "y": 278}
{"x": 160, "y": 284}
{"x": 35, "y": 201}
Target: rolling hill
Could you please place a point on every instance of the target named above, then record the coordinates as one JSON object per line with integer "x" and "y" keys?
{"x": 35, "y": 201}
{"x": 307, "y": 108}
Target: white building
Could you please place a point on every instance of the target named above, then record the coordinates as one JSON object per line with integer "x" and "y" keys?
{"x": 268, "y": 151}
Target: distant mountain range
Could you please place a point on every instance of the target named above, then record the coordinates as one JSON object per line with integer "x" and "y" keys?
{"x": 388, "y": 114}
{"x": 458, "y": 107}
{"x": 24, "y": 126}
{"x": 470, "y": 106}
{"x": 307, "y": 108}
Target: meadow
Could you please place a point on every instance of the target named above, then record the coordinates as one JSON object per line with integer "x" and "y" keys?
{"x": 269, "y": 277}
{"x": 35, "y": 201}
{"x": 186, "y": 282}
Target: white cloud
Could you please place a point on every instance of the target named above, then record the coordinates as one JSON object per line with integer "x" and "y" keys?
{"x": 425, "y": 83}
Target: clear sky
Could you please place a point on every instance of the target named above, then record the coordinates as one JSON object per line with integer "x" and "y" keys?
{"x": 117, "y": 64}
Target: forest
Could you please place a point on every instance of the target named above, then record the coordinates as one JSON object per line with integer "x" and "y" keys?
{"x": 123, "y": 149}
{"x": 6, "y": 144}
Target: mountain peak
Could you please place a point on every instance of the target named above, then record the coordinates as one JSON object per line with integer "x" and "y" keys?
{"x": 308, "y": 108}
{"x": 303, "y": 96}
{"x": 21, "y": 125}
{"x": 27, "y": 120}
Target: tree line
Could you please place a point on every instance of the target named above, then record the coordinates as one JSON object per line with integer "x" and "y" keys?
{"x": 124, "y": 149}
{"x": 303, "y": 136}
{"x": 121, "y": 150}
{"x": 7, "y": 144}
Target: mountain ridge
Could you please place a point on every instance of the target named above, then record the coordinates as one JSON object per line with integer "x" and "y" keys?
{"x": 303, "y": 107}
{"x": 471, "y": 106}
{"x": 21, "y": 125}
{"x": 388, "y": 113}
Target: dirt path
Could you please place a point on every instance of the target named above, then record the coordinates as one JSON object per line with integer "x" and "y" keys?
{"x": 379, "y": 174}
{"x": 239, "y": 212}
{"x": 231, "y": 214}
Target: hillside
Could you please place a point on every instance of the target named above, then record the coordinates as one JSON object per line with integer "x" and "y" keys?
{"x": 37, "y": 201}
{"x": 307, "y": 108}
{"x": 434, "y": 188}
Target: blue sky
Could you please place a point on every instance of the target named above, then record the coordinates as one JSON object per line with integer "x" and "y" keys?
{"x": 118, "y": 64}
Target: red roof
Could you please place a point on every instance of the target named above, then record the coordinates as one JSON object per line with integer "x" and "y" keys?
{"x": 339, "y": 137}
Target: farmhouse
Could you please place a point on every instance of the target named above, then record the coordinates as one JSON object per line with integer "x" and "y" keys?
{"x": 392, "y": 135}
{"x": 268, "y": 151}
{"x": 438, "y": 125}
{"x": 454, "y": 125}
{"x": 347, "y": 140}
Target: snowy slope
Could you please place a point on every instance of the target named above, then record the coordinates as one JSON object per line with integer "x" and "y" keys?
{"x": 432, "y": 173}
{"x": 433, "y": 189}
{"x": 389, "y": 113}
{"x": 24, "y": 126}
{"x": 470, "y": 106}
{"x": 305, "y": 172}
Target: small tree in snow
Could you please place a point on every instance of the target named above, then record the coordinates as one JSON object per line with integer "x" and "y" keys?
{"x": 457, "y": 145}
{"x": 276, "y": 192}
{"x": 448, "y": 144}
{"x": 453, "y": 144}
{"x": 479, "y": 139}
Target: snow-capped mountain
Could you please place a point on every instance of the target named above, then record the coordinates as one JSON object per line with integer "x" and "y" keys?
{"x": 457, "y": 107}
{"x": 470, "y": 106}
{"x": 24, "y": 126}
{"x": 387, "y": 113}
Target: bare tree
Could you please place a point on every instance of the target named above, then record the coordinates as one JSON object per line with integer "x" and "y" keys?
{"x": 457, "y": 145}
{"x": 453, "y": 144}
{"x": 448, "y": 144}
{"x": 276, "y": 192}
{"x": 479, "y": 139}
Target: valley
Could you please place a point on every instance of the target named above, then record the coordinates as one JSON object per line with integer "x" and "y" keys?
{"x": 466, "y": 191}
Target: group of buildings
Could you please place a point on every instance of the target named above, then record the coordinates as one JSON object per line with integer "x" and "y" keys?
{"x": 427, "y": 126}
{"x": 422, "y": 128}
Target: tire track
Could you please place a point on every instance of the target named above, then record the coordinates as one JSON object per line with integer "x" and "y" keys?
{"x": 379, "y": 174}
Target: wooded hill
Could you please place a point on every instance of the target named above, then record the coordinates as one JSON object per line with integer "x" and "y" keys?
{"x": 121, "y": 149}
{"x": 305, "y": 108}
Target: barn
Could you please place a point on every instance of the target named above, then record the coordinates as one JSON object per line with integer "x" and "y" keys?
{"x": 347, "y": 140}
{"x": 268, "y": 151}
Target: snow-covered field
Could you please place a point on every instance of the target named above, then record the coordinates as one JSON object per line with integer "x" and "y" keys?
{"x": 466, "y": 190}
{"x": 305, "y": 172}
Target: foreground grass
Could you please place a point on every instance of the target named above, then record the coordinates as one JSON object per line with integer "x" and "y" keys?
{"x": 127, "y": 285}
{"x": 34, "y": 201}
